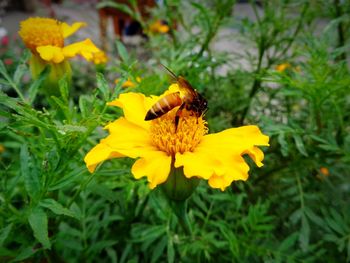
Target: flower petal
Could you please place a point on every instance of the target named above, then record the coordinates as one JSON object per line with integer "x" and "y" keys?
{"x": 135, "y": 107}
{"x": 98, "y": 154}
{"x": 51, "y": 53}
{"x": 84, "y": 48}
{"x": 235, "y": 140}
{"x": 125, "y": 140}
{"x": 129, "y": 139}
{"x": 156, "y": 166}
{"x": 218, "y": 157}
{"x": 68, "y": 30}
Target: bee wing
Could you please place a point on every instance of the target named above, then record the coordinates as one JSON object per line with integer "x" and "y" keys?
{"x": 186, "y": 87}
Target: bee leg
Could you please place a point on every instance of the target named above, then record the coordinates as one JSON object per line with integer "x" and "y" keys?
{"x": 178, "y": 115}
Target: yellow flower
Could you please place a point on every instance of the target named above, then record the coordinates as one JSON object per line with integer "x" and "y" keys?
{"x": 45, "y": 38}
{"x": 159, "y": 27}
{"x": 324, "y": 171}
{"x": 128, "y": 83}
{"x": 161, "y": 148}
{"x": 282, "y": 67}
{"x": 100, "y": 58}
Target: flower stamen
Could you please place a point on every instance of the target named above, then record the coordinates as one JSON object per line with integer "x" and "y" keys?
{"x": 188, "y": 134}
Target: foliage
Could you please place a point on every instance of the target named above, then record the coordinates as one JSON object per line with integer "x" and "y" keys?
{"x": 295, "y": 209}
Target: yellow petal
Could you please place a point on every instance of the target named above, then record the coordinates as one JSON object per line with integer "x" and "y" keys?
{"x": 256, "y": 154}
{"x": 156, "y": 166}
{"x": 198, "y": 163}
{"x": 218, "y": 157}
{"x": 236, "y": 139}
{"x": 51, "y": 53}
{"x": 125, "y": 140}
{"x": 68, "y": 30}
{"x": 135, "y": 107}
{"x": 98, "y": 154}
{"x": 128, "y": 138}
{"x": 84, "y": 48}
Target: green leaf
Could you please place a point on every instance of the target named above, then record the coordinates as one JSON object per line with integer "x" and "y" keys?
{"x": 102, "y": 86}
{"x": 159, "y": 248}
{"x": 4, "y": 234}
{"x": 17, "y": 76}
{"x": 64, "y": 88}
{"x": 288, "y": 242}
{"x": 299, "y": 144}
{"x": 39, "y": 224}
{"x": 30, "y": 175}
{"x": 57, "y": 208}
{"x": 304, "y": 235}
{"x": 284, "y": 144}
{"x": 123, "y": 53}
{"x": 122, "y": 7}
{"x": 25, "y": 253}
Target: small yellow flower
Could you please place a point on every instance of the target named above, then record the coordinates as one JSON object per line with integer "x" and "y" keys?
{"x": 161, "y": 148}
{"x": 100, "y": 58}
{"x": 128, "y": 83}
{"x": 159, "y": 27}
{"x": 282, "y": 67}
{"x": 45, "y": 38}
{"x": 324, "y": 171}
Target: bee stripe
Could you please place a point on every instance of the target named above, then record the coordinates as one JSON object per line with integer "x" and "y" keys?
{"x": 159, "y": 107}
{"x": 167, "y": 103}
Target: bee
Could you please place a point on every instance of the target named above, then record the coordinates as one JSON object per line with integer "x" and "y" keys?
{"x": 192, "y": 101}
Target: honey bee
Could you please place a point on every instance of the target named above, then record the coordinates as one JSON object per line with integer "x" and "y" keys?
{"x": 192, "y": 101}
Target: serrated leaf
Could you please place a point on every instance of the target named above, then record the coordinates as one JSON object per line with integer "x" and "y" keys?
{"x": 57, "y": 208}
{"x": 288, "y": 242}
{"x": 123, "y": 53}
{"x": 304, "y": 235}
{"x": 17, "y": 76}
{"x": 102, "y": 86}
{"x": 159, "y": 249}
{"x": 39, "y": 224}
{"x": 64, "y": 88}
{"x": 284, "y": 145}
{"x": 299, "y": 144}
{"x": 30, "y": 175}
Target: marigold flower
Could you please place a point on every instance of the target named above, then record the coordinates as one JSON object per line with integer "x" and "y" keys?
{"x": 282, "y": 67}
{"x": 45, "y": 38}
{"x": 100, "y": 58}
{"x": 161, "y": 148}
{"x": 159, "y": 27}
{"x": 128, "y": 83}
{"x": 324, "y": 171}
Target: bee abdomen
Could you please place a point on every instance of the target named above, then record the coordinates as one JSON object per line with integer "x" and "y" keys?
{"x": 164, "y": 105}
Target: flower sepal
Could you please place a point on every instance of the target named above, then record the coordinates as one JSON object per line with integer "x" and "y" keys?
{"x": 57, "y": 72}
{"x": 177, "y": 187}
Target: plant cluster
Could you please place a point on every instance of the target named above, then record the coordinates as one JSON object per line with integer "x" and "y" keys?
{"x": 290, "y": 76}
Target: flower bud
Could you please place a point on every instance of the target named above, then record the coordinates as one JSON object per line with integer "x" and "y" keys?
{"x": 177, "y": 187}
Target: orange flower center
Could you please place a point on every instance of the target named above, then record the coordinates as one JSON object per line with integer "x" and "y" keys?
{"x": 184, "y": 138}
{"x": 36, "y": 32}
